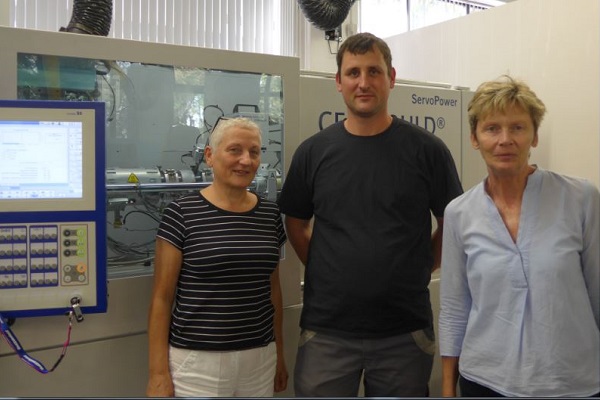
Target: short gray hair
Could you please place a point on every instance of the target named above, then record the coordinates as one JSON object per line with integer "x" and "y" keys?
{"x": 224, "y": 124}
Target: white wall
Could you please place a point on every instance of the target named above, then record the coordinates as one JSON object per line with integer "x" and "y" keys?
{"x": 4, "y": 12}
{"x": 554, "y": 45}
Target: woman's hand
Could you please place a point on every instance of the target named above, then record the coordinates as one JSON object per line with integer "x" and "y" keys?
{"x": 281, "y": 376}
{"x": 160, "y": 386}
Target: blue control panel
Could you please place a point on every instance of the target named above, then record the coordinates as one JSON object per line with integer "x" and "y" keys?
{"x": 52, "y": 207}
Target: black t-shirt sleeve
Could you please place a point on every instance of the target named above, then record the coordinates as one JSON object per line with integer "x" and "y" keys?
{"x": 295, "y": 199}
{"x": 172, "y": 225}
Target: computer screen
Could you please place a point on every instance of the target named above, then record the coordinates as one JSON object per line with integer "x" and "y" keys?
{"x": 47, "y": 155}
{"x": 41, "y": 159}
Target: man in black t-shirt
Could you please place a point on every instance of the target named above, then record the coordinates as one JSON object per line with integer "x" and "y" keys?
{"x": 370, "y": 183}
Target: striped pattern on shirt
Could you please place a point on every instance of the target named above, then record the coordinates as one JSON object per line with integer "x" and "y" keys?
{"x": 223, "y": 297}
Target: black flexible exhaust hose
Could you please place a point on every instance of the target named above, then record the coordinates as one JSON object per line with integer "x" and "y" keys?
{"x": 91, "y": 17}
{"x": 326, "y": 14}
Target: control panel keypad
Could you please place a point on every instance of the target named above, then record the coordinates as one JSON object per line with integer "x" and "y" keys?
{"x": 43, "y": 255}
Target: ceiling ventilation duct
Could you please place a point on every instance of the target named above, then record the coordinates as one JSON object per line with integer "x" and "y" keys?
{"x": 326, "y": 14}
{"x": 91, "y": 17}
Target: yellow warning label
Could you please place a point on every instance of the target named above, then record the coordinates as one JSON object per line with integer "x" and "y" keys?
{"x": 133, "y": 179}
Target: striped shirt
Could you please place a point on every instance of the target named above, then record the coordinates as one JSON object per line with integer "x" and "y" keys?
{"x": 223, "y": 296}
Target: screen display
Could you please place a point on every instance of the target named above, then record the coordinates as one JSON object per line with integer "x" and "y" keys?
{"x": 41, "y": 159}
{"x": 48, "y": 155}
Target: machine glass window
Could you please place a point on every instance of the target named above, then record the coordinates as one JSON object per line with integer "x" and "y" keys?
{"x": 158, "y": 118}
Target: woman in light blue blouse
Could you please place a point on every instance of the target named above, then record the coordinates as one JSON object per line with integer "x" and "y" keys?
{"x": 520, "y": 280}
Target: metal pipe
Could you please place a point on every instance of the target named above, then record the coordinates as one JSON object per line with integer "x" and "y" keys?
{"x": 151, "y": 187}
